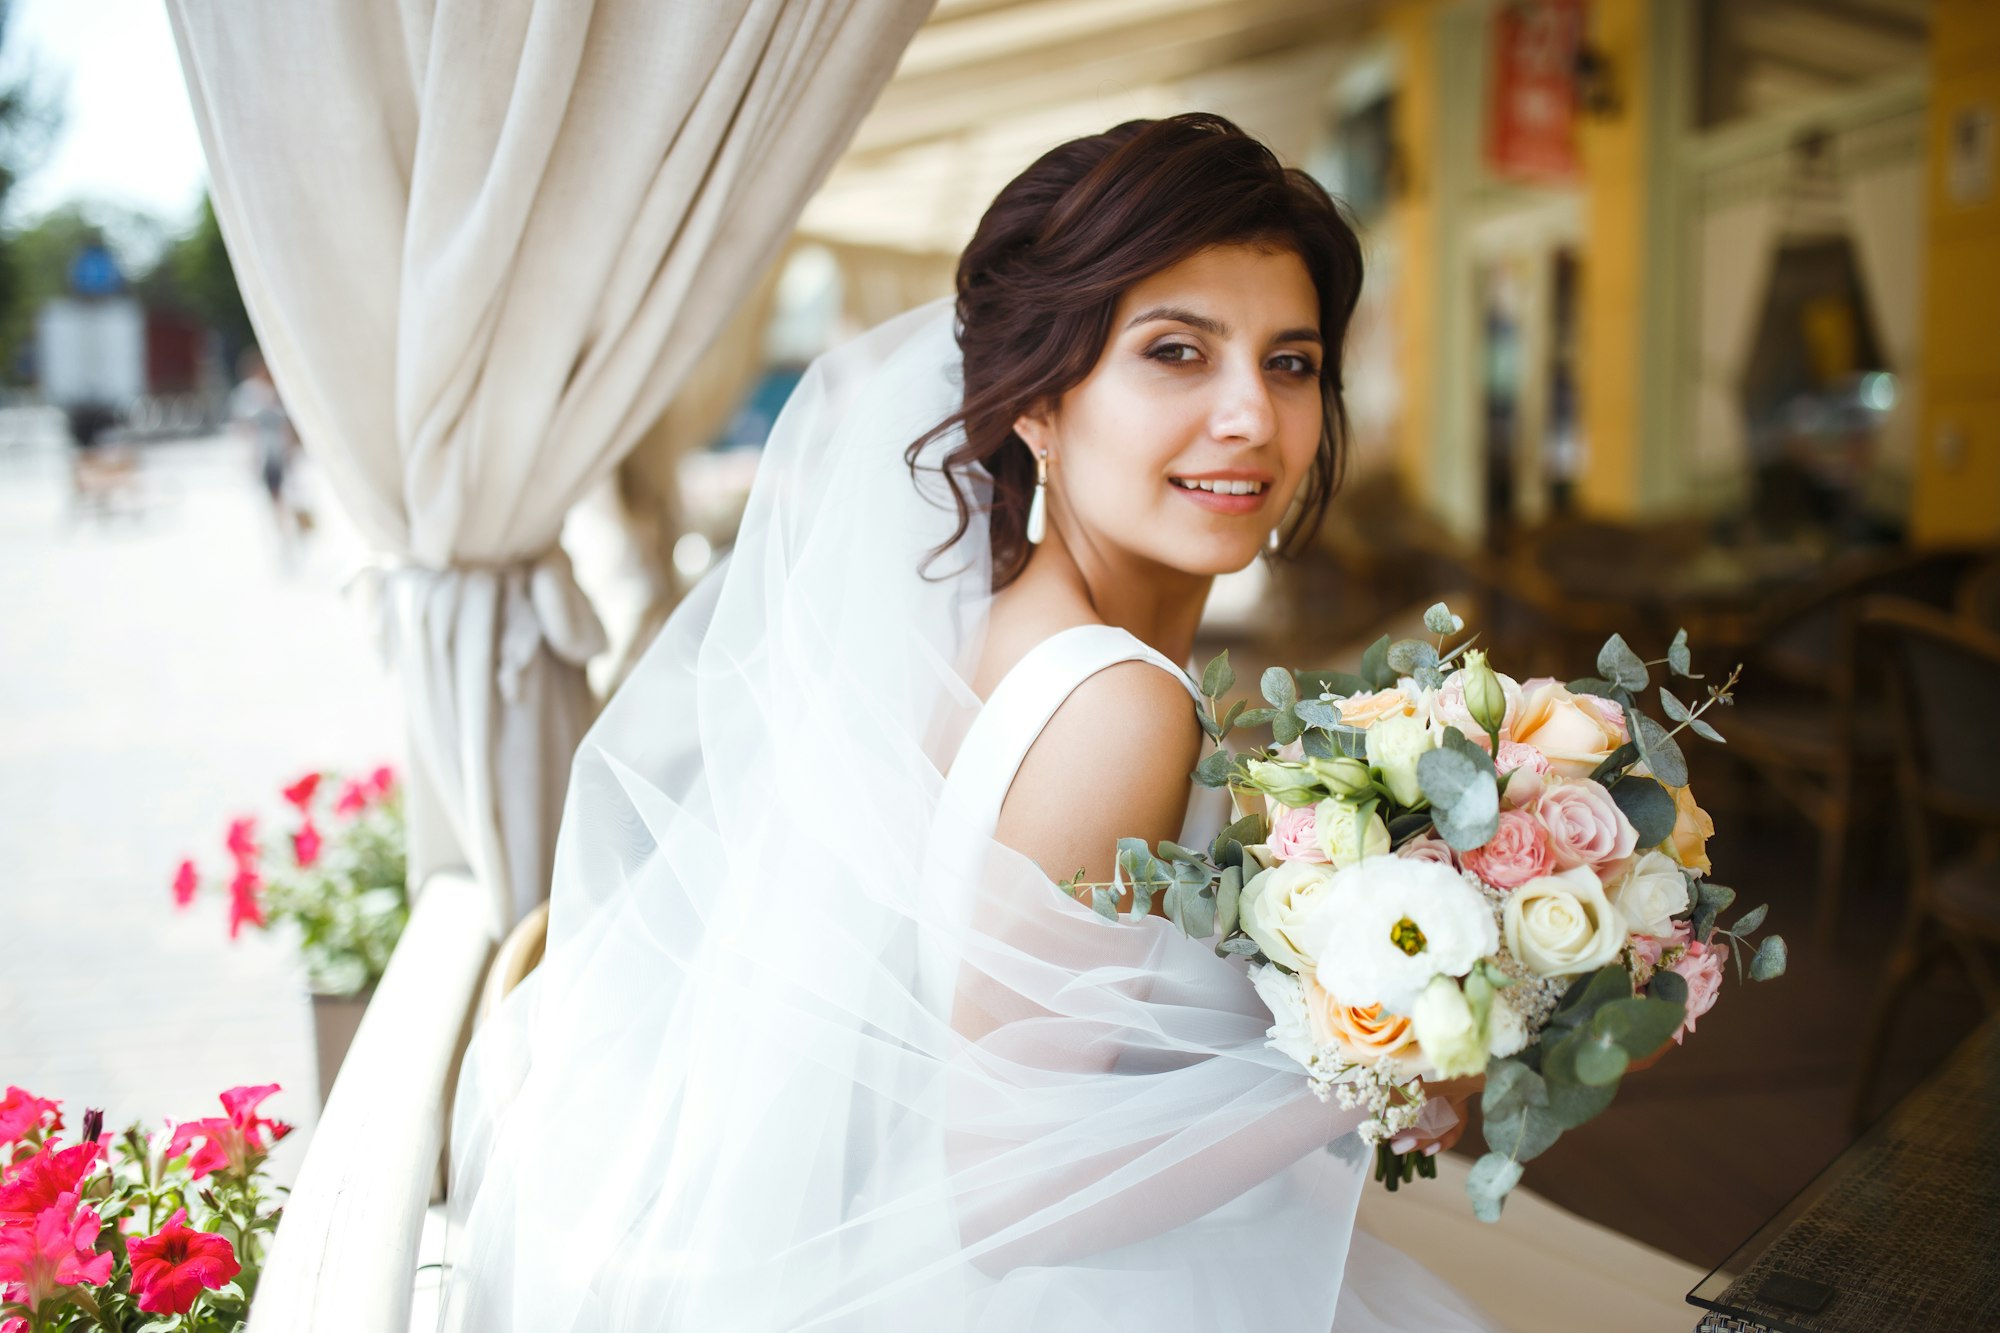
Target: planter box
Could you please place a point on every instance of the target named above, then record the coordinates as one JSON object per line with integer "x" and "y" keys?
{"x": 335, "y": 1018}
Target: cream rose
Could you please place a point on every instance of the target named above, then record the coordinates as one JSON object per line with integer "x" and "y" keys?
{"x": 1572, "y": 731}
{"x": 1276, "y": 906}
{"x": 1560, "y": 925}
{"x": 1394, "y": 746}
{"x": 1345, "y": 837}
{"x": 1649, "y": 894}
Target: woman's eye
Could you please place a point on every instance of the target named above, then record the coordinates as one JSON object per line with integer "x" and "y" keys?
{"x": 1299, "y": 365}
{"x": 1167, "y": 352}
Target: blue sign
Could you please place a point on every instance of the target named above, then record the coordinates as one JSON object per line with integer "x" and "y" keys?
{"x": 95, "y": 273}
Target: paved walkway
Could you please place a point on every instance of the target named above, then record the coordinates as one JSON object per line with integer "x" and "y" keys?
{"x": 160, "y": 673}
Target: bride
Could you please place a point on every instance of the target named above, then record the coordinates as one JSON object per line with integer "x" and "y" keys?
{"x": 820, "y": 1040}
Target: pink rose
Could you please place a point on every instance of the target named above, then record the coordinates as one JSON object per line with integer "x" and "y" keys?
{"x": 1646, "y": 949}
{"x": 1585, "y": 826}
{"x": 1429, "y": 847}
{"x": 1701, "y": 965}
{"x": 1530, "y": 769}
{"x": 1515, "y": 854}
{"x": 1295, "y": 835}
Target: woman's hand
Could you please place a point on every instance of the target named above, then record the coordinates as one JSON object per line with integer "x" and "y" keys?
{"x": 1436, "y": 1130}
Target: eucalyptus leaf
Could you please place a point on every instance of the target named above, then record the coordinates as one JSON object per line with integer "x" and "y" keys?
{"x": 1751, "y": 919}
{"x": 1600, "y": 1061}
{"x": 1703, "y": 921}
{"x": 1218, "y": 677}
{"x": 1173, "y": 851}
{"x": 1617, "y": 663}
{"x": 1340, "y": 684}
{"x": 1616, "y": 762}
{"x": 1676, "y": 710}
{"x": 1572, "y": 1102}
{"x": 1247, "y": 830}
{"x": 1187, "y": 908}
{"x": 1640, "y": 1025}
{"x": 1285, "y": 728}
{"x": 1256, "y": 717}
{"x": 1459, "y": 743}
{"x": 1603, "y": 689}
{"x": 1216, "y": 731}
{"x": 1235, "y": 713}
{"x": 1318, "y": 713}
{"x": 1706, "y": 732}
{"x": 1375, "y": 665}
{"x": 1670, "y": 986}
{"x": 1242, "y": 946}
{"x": 1105, "y": 903}
{"x": 1588, "y": 993}
{"x": 1445, "y": 776}
{"x": 1228, "y": 899}
{"x": 1489, "y": 1182}
{"x": 1525, "y": 1134}
{"x": 1408, "y": 825}
{"x": 1770, "y": 960}
{"x": 1214, "y": 769}
{"x": 1279, "y": 688}
{"x": 1319, "y": 744}
{"x": 1679, "y": 661}
{"x": 1510, "y": 1087}
{"x": 1438, "y": 619}
{"x": 1408, "y": 656}
{"x": 1718, "y": 895}
{"x": 1661, "y": 753}
{"x": 1648, "y": 806}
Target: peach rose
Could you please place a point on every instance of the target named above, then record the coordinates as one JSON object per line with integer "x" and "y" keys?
{"x": 1365, "y": 710}
{"x": 1515, "y": 854}
{"x": 1363, "y": 1034}
{"x": 1688, "y": 843}
{"x": 1573, "y": 731}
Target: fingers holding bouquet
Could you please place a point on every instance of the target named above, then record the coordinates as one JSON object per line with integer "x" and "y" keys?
{"x": 1464, "y": 885}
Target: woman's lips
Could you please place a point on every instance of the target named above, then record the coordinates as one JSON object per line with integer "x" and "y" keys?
{"x": 1218, "y": 503}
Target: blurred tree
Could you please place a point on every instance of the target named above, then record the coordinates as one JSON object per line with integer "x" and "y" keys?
{"x": 28, "y": 122}
{"x": 195, "y": 275}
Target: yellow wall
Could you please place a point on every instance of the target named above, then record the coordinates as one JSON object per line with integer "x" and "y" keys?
{"x": 1956, "y": 496}
{"x": 1612, "y": 295}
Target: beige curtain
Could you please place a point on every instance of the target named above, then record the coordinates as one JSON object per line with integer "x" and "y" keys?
{"x": 482, "y": 242}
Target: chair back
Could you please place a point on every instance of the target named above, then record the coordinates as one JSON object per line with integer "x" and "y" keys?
{"x": 1979, "y": 595}
{"x": 1944, "y": 676}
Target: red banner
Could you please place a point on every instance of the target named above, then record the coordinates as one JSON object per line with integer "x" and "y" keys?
{"x": 1531, "y": 124}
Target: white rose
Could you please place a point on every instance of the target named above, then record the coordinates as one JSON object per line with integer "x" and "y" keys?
{"x": 1649, "y": 894}
{"x": 1446, "y": 1031}
{"x": 1345, "y": 837}
{"x": 1560, "y": 925}
{"x": 1275, "y": 906}
{"x": 1284, "y": 995}
{"x": 1394, "y": 746}
{"x": 1388, "y": 925}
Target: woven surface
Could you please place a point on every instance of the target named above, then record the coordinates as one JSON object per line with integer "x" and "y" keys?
{"x": 1902, "y": 1226}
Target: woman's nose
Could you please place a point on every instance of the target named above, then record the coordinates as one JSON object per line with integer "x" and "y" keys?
{"x": 1243, "y": 410}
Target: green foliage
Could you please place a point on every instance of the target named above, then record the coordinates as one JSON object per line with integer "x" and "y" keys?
{"x": 1648, "y": 806}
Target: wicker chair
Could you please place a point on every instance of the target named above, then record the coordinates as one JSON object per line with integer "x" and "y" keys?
{"x": 1944, "y": 681}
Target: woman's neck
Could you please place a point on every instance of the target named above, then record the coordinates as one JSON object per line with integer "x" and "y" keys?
{"x": 1159, "y": 605}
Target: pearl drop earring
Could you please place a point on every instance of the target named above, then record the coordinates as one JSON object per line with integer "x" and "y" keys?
{"x": 1273, "y": 542}
{"x": 1038, "y": 509}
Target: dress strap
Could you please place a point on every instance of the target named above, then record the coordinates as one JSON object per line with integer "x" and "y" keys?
{"x": 1029, "y": 695}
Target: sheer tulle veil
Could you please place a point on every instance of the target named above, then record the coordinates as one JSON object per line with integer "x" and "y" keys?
{"x": 808, "y": 1048}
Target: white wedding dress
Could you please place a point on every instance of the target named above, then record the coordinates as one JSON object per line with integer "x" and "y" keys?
{"x": 810, "y": 1050}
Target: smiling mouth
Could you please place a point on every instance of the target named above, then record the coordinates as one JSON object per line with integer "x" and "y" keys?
{"x": 1222, "y": 487}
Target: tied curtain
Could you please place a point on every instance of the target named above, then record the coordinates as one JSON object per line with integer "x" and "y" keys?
{"x": 482, "y": 242}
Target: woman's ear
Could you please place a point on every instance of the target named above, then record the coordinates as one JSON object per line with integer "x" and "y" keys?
{"x": 1035, "y": 428}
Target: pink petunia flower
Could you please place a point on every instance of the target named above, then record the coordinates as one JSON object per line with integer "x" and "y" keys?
{"x": 300, "y": 793}
{"x": 246, "y": 905}
{"x": 242, "y": 840}
{"x": 354, "y": 798}
{"x": 382, "y": 779}
{"x": 173, "y": 1266}
{"x": 58, "y": 1249}
{"x": 186, "y": 881}
{"x": 22, "y": 1113}
{"x": 235, "y": 1143}
{"x": 306, "y": 845}
{"x": 33, "y": 1186}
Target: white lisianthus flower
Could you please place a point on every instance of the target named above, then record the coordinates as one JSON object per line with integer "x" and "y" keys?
{"x": 1562, "y": 925}
{"x": 1446, "y": 1030}
{"x": 1345, "y": 837}
{"x": 1277, "y": 906}
{"x": 1389, "y": 924}
{"x": 1394, "y": 746}
{"x": 1649, "y": 893}
{"x": 1506, "y": 1030}
{"x": 1284, "y": 995}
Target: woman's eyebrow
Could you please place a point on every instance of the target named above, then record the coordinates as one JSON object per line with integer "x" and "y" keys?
{"x": 1182, "y": 315}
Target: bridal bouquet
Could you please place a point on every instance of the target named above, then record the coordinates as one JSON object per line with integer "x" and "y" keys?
{"x": 1461, "y": 873}
{"x": 141, "y": 1233}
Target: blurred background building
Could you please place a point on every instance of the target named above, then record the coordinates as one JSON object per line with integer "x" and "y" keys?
{"x": 1679, "y": 314}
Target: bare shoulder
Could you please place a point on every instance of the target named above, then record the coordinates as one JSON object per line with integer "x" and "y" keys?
{"x": 1114, "y": 761}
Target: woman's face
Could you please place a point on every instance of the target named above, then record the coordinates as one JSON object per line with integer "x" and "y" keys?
{"x": 1187, "y": 440}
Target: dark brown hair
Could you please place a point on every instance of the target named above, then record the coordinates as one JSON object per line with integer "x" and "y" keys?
{"x": 1039, "y": 283}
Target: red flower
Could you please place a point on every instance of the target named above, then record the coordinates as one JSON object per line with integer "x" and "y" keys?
{"x": 354, "y": 798}
{"x": 243, "y": 840}
{"x": 305, "y": 845}
{"x": 22, "y": 1113}
{"x": 57, "y": 1249}
{"x": 300, "y": 793}
{"x": 235, "y": 1144}
{"x": 33, "y": 1186}
{"x": 245, "y": 906}
{"x": 172, "y": 1267}
{"x": 185, "y": 883}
